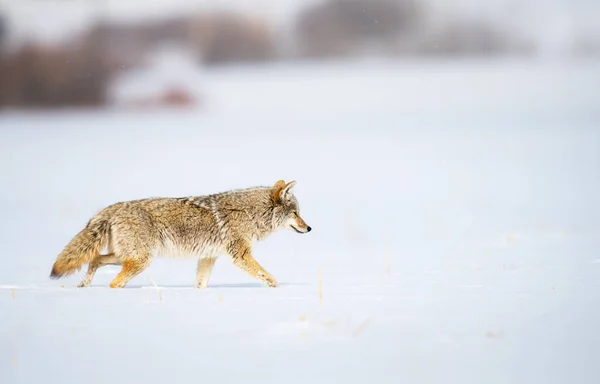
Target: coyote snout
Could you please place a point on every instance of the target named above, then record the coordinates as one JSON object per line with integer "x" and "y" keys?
{"x": 296, "y": 223}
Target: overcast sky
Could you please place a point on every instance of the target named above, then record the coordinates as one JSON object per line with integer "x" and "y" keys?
{"x": 56, "y": 19}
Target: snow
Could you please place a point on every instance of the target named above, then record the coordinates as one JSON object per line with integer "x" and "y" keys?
{"x": 455, "y": 212}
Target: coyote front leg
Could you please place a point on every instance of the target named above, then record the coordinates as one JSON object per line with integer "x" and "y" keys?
{"x": 205, "y": 266}
{"x": 242, "y": 257}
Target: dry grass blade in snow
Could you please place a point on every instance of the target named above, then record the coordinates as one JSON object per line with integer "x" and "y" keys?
{"x": 361, "y": 328}
{"x": 155, "y": 286}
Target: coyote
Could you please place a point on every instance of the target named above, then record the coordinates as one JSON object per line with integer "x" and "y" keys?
{"x": 208, "y": 226}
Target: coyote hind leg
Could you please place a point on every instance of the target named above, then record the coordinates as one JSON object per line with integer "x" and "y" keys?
{"x": 131, "y": 268}
{"x": 100, "y": 261}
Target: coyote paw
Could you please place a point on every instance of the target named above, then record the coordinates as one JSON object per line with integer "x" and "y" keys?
{"x": 271, "y": 282}
{"x": 116, "y": 285}
{"x": 83, "y": 284}
{"x": 267, "y": 279}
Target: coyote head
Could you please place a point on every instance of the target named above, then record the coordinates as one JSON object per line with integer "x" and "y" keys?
{"x": 286, "y": 212}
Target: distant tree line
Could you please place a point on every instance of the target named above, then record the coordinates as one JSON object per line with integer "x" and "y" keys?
{"x": 77, "y": 73}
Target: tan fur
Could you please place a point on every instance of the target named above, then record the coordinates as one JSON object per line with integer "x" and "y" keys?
{"x": 134, "y": 232}
{"x": 205, "y": 266}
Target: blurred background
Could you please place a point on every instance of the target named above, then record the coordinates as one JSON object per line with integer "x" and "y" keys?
{"x": 134, "y": 54}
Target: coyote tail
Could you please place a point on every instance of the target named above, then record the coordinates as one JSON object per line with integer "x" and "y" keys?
{"x": 82, "y": 249}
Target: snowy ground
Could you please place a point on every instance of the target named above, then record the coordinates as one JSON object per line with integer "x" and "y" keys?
{"x": 455, "y": 214}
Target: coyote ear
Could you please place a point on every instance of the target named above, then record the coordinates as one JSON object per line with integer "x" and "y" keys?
{"x": 280, "y": 189}
{"x": 277, "y": 188}
{"x": 287, "y": 188}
